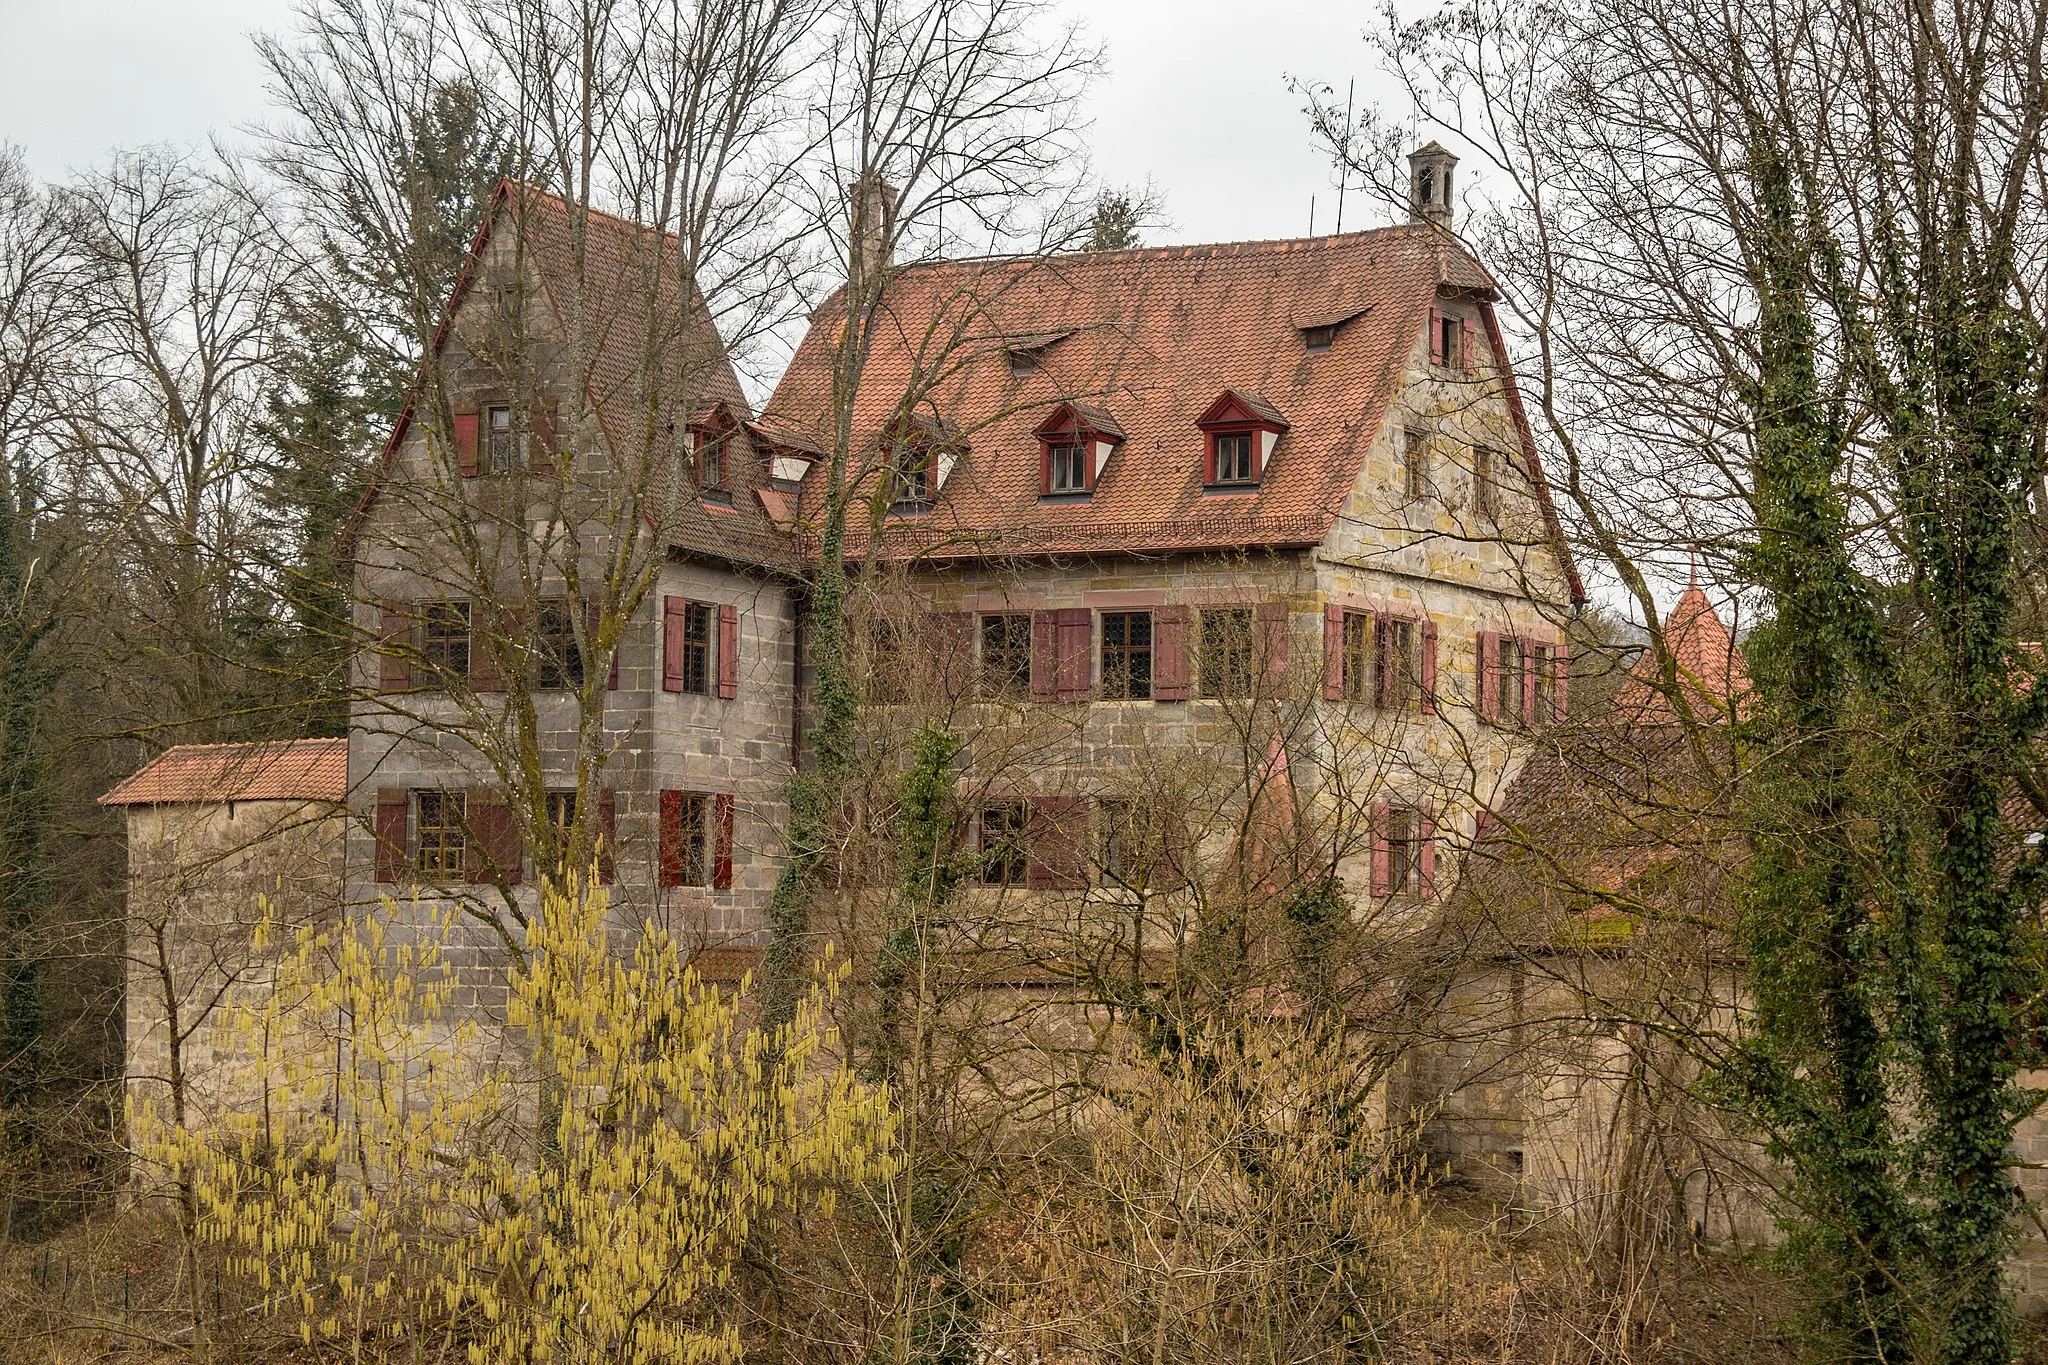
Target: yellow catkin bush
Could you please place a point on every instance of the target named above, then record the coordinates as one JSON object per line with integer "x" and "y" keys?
{"x": 565, "y": 1188}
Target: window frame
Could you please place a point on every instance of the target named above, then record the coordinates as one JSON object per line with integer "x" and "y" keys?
{"x": 491, "y": 435}
{"x": 1397, "y": 660}
{"x": 912, "y": 472}
{"x": 694, "y": 839}
{"x": 1222, "y": 665}
{"x": 1253, "y": 472}
{"x": 558, "y": 664}
{"x": 1004, "y": 673}
{"x": 1357, "y": 653}
{"x": 1120, "y": 681}
{"x": 440, "y": 845}
{"x": 697, "y": 660}
{"x": 1076, "y": 448}
{"x": 1485, "y": 479}
{"x": 446, "y": 649}
{"x": 709, "y": 447}
{"x": 1404, "y": 852}
{"x": 1002, "y": 844}
{"x": 1508, "y": 680}
{"x": 1416, "y": 445}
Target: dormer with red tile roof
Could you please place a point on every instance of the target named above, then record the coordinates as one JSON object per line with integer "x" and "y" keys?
{"x": 1240, "y": 433}
{"x": 1075, "y": 444}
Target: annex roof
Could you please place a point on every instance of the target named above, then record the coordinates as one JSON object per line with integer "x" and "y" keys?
{"x": 1155, "y": 335}
{"x": 279, "y": 770}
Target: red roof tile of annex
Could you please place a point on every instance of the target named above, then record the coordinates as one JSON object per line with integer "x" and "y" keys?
{"x": 280, "y": 770}
{"x": 1153, "y": 336}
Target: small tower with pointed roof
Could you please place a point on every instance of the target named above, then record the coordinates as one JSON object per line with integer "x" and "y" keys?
{"x": 1429, "y": 184}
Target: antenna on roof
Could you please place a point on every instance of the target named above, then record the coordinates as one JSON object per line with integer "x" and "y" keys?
{"x": 1311, "y": 215}
{"x": 1343, "y": 151}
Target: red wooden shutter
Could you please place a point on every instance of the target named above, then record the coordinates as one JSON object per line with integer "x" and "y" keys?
{"x": 952, "y": 643}
{"x": 483, "y": 665}
{"x": 1045, "y": 660}
{"x": 1469, "y": 359}
{"x": 1087, "y": 440}
{"x": 607, "y": 836}
{"x": 479, "y": 835}
{"x": 1529, "y": 671}
{"x": 1170, "y": 654}
{"x": 1436, "y": 336}
{"x": 1485, "y": 825}
{"x": 728, "y": 651}
{"x": 674, "y": 613}
{"x": 1055, "y": 846}
{"x": 465, "y": 443}
{"x": 671, "y": 869}
{"x": 1208, "y": 457}
{"x": 1044, "y": 464}
{"x": 1270, "y": 627}
{"x": 1384, "y": 664}
{"x": 540, "y": 454}
{"x": 1333, "y": 652}
{"x": 1076, "y": 634}
{"x": 1426, "y": 854}
{"x": 1561, "y": 679}
{"x": 1429, "y": 668}
{"x": 394, "y": 673}
{"x": 392, "y": 808}
{"x": 1382, "y": 852}
{"x": 1489, "y": 674}
{"x": 721, "y": 856}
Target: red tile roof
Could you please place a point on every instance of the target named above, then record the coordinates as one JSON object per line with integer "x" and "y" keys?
{"x": 1711, "y": 670}
{"x": 1156, "y": 336}
{"x": 284, "y": 770}
{"x": 636, "y": 303}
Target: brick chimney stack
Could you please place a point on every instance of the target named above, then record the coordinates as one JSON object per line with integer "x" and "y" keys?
{"x": 873, "y": 226}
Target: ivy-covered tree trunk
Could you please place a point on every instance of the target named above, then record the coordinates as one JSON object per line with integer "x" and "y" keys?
{"x": 1815, "y": 1067}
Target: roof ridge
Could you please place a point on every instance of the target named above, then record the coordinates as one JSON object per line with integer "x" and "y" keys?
{"x": 1184, "y": 250}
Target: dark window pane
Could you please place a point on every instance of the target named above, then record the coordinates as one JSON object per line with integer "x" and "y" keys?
{"x": 442, "y": 841}
{"x": 1227, "y": 652}
{"x": 561, "y": 658}
{"x": 1069, "y": 468}
{"x": 1006, "y": 654}
{"x": 1001, "y": 841}
{"x": 1234, "y": 459}
{"x": 1127, "y": 655}
{"x": 446, "y": 637}
{"x": 498, "y": 426}
{"x": 697, "y": 648}
{"x": 1357, "y": 657}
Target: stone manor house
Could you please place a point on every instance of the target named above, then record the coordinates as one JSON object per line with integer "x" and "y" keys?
{"x": 1272, "y": 497}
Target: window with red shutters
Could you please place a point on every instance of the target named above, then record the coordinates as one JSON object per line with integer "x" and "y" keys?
{"x": 393, "y": 810}
{"x": 721, "y": 851}
{"x": 1347, "y": 654}
{"x": 1076, "y": 650}
{"x": 728, "y": 651}
{"x": 686, "y": 646}
{"x": 685, "y": 838}
{"x": 541, "y": 447}
{"x": 1056, "y": 835}
{"x": 394, "y": 631}
{"x": 607, "y": 836}
{"x": 1170, "y": 654}
{"x": 464, "y": 437}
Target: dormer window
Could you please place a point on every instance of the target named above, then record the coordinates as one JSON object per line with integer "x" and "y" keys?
{"x": 1023, "y": 362}
{"x": 1319, "y": 326}
{"x": 1074, "y": 446}
{"x": 1316, "y": 340}
{"x": 910, "y": 477}
{"x": 1240, "y": 433}
{"x": 1068, "y": 468}
{"x": 1234, "y": 458}
{"x": 710, "y": 462}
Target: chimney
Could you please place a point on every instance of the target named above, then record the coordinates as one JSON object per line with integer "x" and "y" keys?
{"x": 1429, "y": 185}
{"x": 873, "y": 226}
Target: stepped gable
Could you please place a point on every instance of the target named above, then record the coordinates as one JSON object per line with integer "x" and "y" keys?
{"x": 1711, "y": 670}
{"x": 1152, "y": 337}
{"x": 278, "y": 770}
{"x": 641, "y": 312}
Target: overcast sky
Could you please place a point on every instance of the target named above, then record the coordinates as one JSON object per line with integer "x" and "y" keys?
{"x": 1196, "y": 96}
